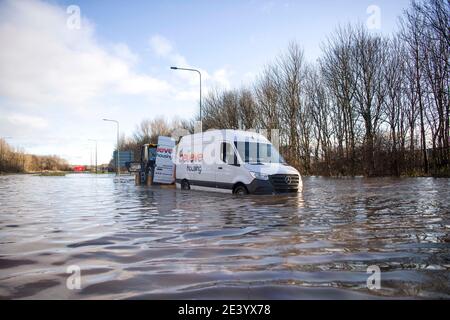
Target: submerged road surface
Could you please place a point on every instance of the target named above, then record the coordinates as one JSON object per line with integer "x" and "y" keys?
{"x": 87, "y": 236}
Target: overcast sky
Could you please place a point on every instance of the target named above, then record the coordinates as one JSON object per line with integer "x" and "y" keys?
{"x": 58, "y": 79}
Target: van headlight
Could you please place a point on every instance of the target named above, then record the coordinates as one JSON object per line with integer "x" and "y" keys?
{"x": 259, "y": 175}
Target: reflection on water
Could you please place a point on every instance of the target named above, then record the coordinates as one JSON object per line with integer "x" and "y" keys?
{"x": 139, "y": 242}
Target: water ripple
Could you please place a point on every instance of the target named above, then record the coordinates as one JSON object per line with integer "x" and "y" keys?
{"x": 146, "y": 243}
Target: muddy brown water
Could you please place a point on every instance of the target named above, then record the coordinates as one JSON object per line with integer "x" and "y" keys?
{"x": 144, "y": 243}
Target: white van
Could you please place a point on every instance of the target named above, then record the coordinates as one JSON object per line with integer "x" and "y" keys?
{"x": 233, "y": 161}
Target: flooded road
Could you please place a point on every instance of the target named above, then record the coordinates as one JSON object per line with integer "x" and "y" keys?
{"x": 144, "y": 243}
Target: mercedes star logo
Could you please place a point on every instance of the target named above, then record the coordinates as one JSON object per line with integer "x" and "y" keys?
{"x": 288, "y": 179}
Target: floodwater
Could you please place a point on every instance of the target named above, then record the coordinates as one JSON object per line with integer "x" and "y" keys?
{"x": 145, "y": 243}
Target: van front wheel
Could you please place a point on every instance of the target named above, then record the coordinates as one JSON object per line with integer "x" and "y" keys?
{"x": 185, "y": 185}
{"x": 240, "y": 191}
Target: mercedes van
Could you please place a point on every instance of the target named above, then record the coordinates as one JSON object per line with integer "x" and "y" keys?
{"x": 233, "y": 161}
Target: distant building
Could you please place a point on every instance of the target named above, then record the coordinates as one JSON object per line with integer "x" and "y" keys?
{"x": 79, "y": 168}
{"x": 124, "y": 157}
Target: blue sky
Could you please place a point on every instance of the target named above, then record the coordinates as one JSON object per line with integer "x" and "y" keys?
{"x": 56, "y": 84}
{"x": 243, "y": 33}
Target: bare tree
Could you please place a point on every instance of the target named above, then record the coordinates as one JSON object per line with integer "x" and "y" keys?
{"x": 292, "y": 73}
{"x": 393, "y": 78}
{"x": 318, "y": 104}
{"x": 370, "y": 56}
{"x": 412, "y": 24}
{"x": 337, "y": 66}
{"x": 371, "y": 105}
{"x": 247, "y": 110}
{"x": 268, "y": 98}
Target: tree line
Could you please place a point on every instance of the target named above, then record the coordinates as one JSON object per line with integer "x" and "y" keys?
{"x": 370, "y": 105}
{"x": 17, "y": 161}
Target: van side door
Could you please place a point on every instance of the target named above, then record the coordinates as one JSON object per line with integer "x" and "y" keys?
{"x": 227, "y": 167}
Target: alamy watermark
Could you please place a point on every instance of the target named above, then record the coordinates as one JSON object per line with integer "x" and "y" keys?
{"x": 74, "y": 17}
{"x": 374, "y": 280}
{"x": 373, "y": 22}
{"x": 73, "y": 282}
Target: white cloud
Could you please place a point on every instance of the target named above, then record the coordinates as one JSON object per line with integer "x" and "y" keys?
{"x": 56, "y": 83}
{"x": 27, "y": 120}
{"x": 178, "y": 60}
{"x": 221, "y": 78}
{"x": 44, "y": 62}
{"x": 138, "y": 84}
{"x": 164, "y": 48}
{"x": 187, "y": 95}
{"x": 160, "y": 45}
{"x": 124, "y": 52}
{"x": 249, "y": 78}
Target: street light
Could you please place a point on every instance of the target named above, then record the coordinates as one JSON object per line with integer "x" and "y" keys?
{"x": 200, "y": 74}
{"x": 95, "y": 154}
{"x": 118, "y": 162}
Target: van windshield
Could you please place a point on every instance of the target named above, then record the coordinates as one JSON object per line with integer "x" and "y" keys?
{"x": 258, "y": 153}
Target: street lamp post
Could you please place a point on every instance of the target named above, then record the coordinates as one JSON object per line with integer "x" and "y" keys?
{"x": 95, "y": 154}
{"x": 118, "y": 151}
{"x": 200, "y": 74}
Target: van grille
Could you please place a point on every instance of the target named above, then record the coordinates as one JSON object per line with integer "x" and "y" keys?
{"x": 284, "y": 182}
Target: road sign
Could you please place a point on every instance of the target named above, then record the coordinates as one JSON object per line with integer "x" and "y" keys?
{"x": 164, "y": 166}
